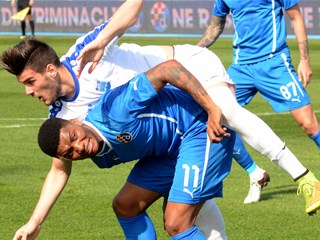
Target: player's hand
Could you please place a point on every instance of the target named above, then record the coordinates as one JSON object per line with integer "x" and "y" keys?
{"x": 214, "y": 126}
{"x": 93, "y": 52}
{"x": 29, "y": 231}
{"x": 304, "y": 72}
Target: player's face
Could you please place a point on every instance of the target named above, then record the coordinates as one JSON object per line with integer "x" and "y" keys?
{"x": 78, "y": 142}
{"x": 47, "y": 89}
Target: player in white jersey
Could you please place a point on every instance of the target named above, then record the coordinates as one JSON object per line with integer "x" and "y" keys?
{"x": 262, "y": 63}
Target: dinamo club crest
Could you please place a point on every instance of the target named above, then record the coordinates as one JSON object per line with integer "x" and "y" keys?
{"x": 124, "y": 137}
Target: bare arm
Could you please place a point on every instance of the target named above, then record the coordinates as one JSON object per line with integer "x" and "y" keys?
{"x": 125, "y": 16}
{"x": 51, "y": 189}
{"x": 213, "y": 31}
{"x": 304, "y": 68}
{"x": 174, "y": 73}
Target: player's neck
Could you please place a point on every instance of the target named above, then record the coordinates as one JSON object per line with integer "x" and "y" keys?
{"x": 68, "y": 87}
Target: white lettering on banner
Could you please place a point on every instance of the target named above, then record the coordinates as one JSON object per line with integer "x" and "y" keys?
{"x": 189, "y": 16}
{"x": 6, "y": 20}
{"x": 182, "y": 18}
{"x": 307, "y": 14}
{"x": 72, "y": 16}
{"x": 319, "y": 18}
{"x": 204, "y": 17}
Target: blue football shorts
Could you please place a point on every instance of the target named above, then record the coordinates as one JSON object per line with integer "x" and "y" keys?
{"x": 193, "y": 176}
{"x": 275, "y": 79}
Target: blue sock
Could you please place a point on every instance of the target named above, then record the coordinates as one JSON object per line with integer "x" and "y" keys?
{"x": 191, "y": 234}
{"x": 241, "y": 155}
{"x": 251, "y": 169}
{"x": 316, "y": 138}
{"x": 138, "y": 228}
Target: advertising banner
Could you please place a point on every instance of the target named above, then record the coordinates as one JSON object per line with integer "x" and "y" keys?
{"x": 157, "y": 17}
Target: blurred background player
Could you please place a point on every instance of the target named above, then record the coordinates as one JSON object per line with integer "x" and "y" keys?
{"x": 262, "y": 63}
{"x": 22, "y": 4}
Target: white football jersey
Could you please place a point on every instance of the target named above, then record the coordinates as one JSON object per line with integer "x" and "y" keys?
{"x": 120, "y": 64}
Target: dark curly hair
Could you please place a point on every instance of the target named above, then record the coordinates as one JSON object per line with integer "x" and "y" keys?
{"x": 49, "y": 135}
{"x": 29, "y": 53}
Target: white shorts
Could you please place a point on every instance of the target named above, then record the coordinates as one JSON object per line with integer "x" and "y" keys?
{"x": 202, "y": 63}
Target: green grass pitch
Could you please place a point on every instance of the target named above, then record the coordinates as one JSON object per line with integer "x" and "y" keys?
{"x": 84, "y": 209}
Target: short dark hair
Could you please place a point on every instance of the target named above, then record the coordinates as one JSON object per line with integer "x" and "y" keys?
{"x": 29, "y": 53}
{"x": 49, "y": 135}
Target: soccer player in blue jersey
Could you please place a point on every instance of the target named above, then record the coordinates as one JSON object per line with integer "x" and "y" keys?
{"x": 147, "y": 120}
{"x": 262, "y": 63}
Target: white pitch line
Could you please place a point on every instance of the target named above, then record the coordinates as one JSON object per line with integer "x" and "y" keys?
{"x": 42, "y": 119}
{"x": 19, "y": 125}
{"x": 22, "y": 119}
{"x": 279, "y": 113}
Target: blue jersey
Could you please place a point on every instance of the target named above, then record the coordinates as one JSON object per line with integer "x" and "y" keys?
{"x": 166, "y": 131}
{"x": 260, "y": 30}
{"x": 138, "y": 122}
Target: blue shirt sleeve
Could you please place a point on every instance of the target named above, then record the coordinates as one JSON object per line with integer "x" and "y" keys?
{"x": 220, "y": 8}
{"x": 133, "y": 97}
{"x": 286, "y": 4}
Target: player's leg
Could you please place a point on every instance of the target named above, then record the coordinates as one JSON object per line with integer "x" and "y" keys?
{"x": 253, "y": 130}
{"x": 31, "y": 22}
{"x": 208, "y": 69}
{"x": 258, "y": 177}
{"x": 309, "y": 186}
{"x": 210, "y": 221}
{"x": 307, "y": 119}
{"x": 148, "y": 181}
{"x": 130, "y": 206}
{"x": 180, "y": 219}
{"x": 23, "y": 28}
{"x": 21, "y": 6}
{"x": 245, "y": 91}
{"x": 132, "y": 200}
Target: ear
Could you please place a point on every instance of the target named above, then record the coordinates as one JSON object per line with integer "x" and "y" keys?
{"x": 51, "y": 70}
{"x": 76, "y": 122}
